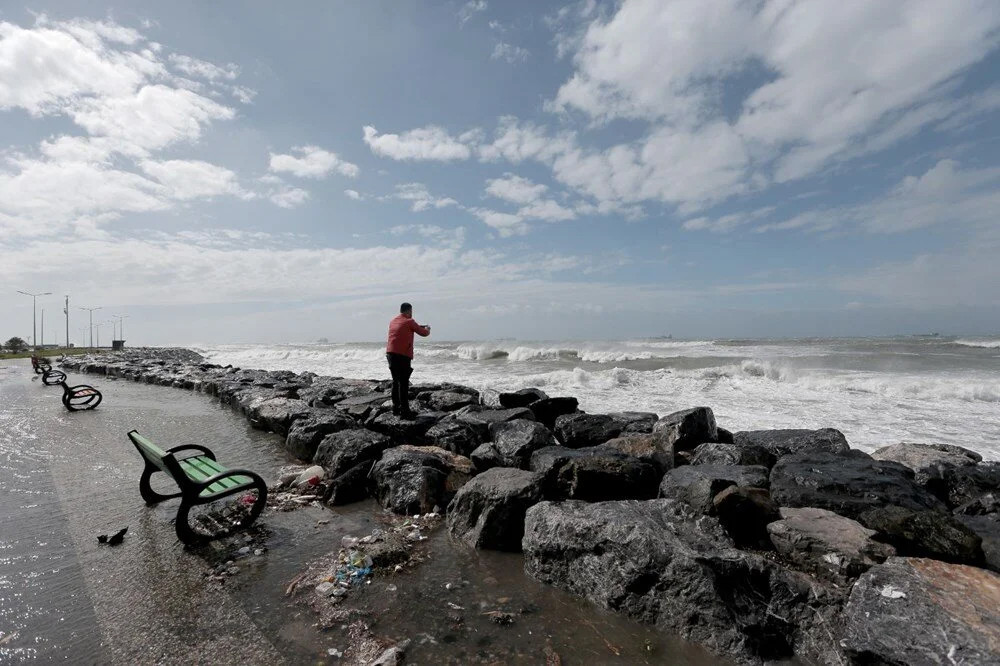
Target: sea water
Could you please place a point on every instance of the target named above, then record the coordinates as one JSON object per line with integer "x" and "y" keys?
{"x": 878, "y": 391}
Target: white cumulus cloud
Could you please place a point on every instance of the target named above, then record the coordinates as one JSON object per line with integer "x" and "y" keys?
{"x": 424, "y": 143}
{"x": 312, "y": 162}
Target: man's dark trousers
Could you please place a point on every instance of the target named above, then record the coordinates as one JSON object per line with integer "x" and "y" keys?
{"x": 400, "y": 367}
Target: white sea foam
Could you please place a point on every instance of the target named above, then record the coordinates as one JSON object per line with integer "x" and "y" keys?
{"x": 985, "y": 343}
{"x": 877, "y": 394}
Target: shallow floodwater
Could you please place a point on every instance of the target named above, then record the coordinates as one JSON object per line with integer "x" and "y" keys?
{"x": 65, "y": 478}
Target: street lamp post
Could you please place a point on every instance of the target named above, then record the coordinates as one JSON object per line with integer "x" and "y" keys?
{"x": 91, "y": 311}
{"x": 34, "y": 332}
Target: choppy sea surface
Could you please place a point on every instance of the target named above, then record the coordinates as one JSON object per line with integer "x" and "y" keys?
{"x": 878, "y": 391}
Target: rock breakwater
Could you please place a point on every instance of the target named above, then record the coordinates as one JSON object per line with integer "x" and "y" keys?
{"x": 761, "y": 545}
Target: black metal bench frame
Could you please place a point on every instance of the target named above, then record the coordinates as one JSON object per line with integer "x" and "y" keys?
{"x": 80, "y": 397}
{"x": 40, "y": 364}
{"x": 52, "y": 377}
{"x": 194, "y": 491}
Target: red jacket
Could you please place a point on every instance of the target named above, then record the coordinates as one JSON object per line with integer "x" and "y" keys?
{"x": 401, "y": 330}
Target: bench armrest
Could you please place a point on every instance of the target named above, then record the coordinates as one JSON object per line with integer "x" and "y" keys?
{"x": 193, "y": 447}
{"x": 231, "y": 472}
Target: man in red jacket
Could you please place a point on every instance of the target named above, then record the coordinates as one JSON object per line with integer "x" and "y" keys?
{"x": 399, "y": 353}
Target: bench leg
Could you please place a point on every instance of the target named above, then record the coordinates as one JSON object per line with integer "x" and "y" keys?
{"x": 189, "y": 537}
{"x": 149, "y": 495}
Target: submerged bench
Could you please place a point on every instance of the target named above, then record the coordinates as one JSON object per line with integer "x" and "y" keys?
{"x": 80, "y": 397}
{"x": 200, "y": 479}
{"x": 40, "y": 364}
{"x": 52, "y": 377}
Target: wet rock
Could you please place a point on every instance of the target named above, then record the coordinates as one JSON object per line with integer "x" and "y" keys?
{"x": 547, "y": 410}
{"x": 488, "y": 511}
{"x": 485, "y": 457}
{"x": 483, "y": 419}
{"x": 490, "y": 398}
{"x": 965, "y": 484}
{"x": 521, "y": 398}
{"x": 593, "y": 474}
{"x": 929, "y": 462}
{"x": 393, "y": 656}
{"x": 515, "y": 441}
{"x": 826, "y": 544}
{"x": 715, "y": 453}
{"x": 644, "y": 559}
{"x": 454, "y": 436}
{"x": 345, "y": 449}
{"x": 651, "y": 448}
{"x": 404, "y": 431}
{"x": 363, "y": 406}
{"x": 449, "y": 401}
{"x": 305, "y": 434}
{"x": 687, "y": 429}
{"x": 579, "y": 430}
{"x": 695, "y": 486}
{"x": 981, "y": 506}
{"x": 846, "y": 484}
{"x": 987, "y": 528}
{"x": 921, "y": 611}
{"x": 925, "y": 534}
{"x": 635, "y": 422}
{"x": 784, "y": 442}
{"x": 415, "y": 479}
{"x": 745, "y": 514}
{"x": 723, "y": 436}
{"x": 276, "y": 414}
{"x": 353, "y": 485}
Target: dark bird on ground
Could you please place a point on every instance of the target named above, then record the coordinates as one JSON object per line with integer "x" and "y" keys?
{"x": 117, "y": 537}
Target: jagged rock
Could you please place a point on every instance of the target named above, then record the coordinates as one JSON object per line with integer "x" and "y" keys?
{"x": 929, "y": 462}
{"x": 921, "y": 611}
{"x": 362, "y": 406}
{"x": 515, "y": 441}
{"x": 965, "y": 484}
{"x": 981, "y": 506}
{"x": 715, "y": 453}
{"x": 784, "y": 442}
{"x": 578, "y": 430}
{"x": 697, "y": 485}
{"x": 547, "y": 410}
{"x": 521, "y": 398}
{"x": 644, "y": 559}
{"x": 635, "y": 422}
{"x": 485, "y": 457}
{"x": 651, "y": 448}
{"x": 449, "y": 401}
{"x": 687, "y": 429}
{"x": 488, "y": 511}
{"x": 404, "y": 431}
{"x": 342, "y": 450}
{"x": 925, "y": 534}
{"x": 415, "y": 479}
{"x": 454, "y": 436}
{"x": 745, "y": 514}
{"x": 305, "y": 435}
{"x": 490, "y": 398}
{"x": 826, "y": 544}
{"x": 483, "y": 419}
{"x": 987, "y": 528}
{"x": 723, "y": 436}
{"x": 353, "y": 485}
{"x": 846, "y": 484}
{"x": 593, "y": 474}
{"x": 276, "y": 414}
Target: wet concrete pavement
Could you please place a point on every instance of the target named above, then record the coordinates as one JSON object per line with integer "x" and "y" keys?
{"x": 67, "y": 477}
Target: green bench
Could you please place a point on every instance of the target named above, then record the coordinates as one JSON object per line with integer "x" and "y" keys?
{"x": 200, "y": 479}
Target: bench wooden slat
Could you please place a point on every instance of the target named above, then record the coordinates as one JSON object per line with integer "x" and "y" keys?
{"x": 200, "y": 468}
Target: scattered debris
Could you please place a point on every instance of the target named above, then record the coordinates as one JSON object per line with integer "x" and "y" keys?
{"x": 502, "y": 618}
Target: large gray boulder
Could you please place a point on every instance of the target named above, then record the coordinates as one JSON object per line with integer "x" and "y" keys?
{"x": 783, "y": 442}
{"x": 824, "y": 543}
{"x": 695, "y": 486}
{"x": 305, "y": 434}
{"x": 925, "y": 534}
{"x": 594, "y": 474}
{"x": 521, "y": 398}
{"x": 717, "y": 453}
{"x": 515, "y": 441}
{"x": 846, "y": 484}
{"x": 967, "y": 483}
{"x": 929, "y": 462}
{"x": 635, "y": 422}
{"x": 644, "y": 559}
{"x": 484, "y": 419}
{"x": 276, "y": 414}
{"x": 416, "y": 479}
{"x": 745, "y": 514}
{"x": 455, "y": 436}
{"x": 913, "y": 611}
{"x": 987, "y": 528}
{"x": 579, "y": 430}
{"x": 364, "y": 405}
{"x": 448, "y": 401}
{"x": 547, "y": 410}
{"x": 648, "y": 447}
{"x": 342, "y": 450}
{"x": 687, "y": 429}
{"x": 404, "y": 431}
{"x": 488, "y": 511}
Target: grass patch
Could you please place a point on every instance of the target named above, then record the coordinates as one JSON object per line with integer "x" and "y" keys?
{"x": 50, "y": 353}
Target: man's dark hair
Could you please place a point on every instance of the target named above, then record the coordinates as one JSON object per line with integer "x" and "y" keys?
{"x": 405, "y": 307}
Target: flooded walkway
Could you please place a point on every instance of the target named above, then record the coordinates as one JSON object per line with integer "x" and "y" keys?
{"x": 67, "y": 477}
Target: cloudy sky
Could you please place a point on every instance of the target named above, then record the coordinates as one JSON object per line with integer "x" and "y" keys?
{"x": 519, "y": 169}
